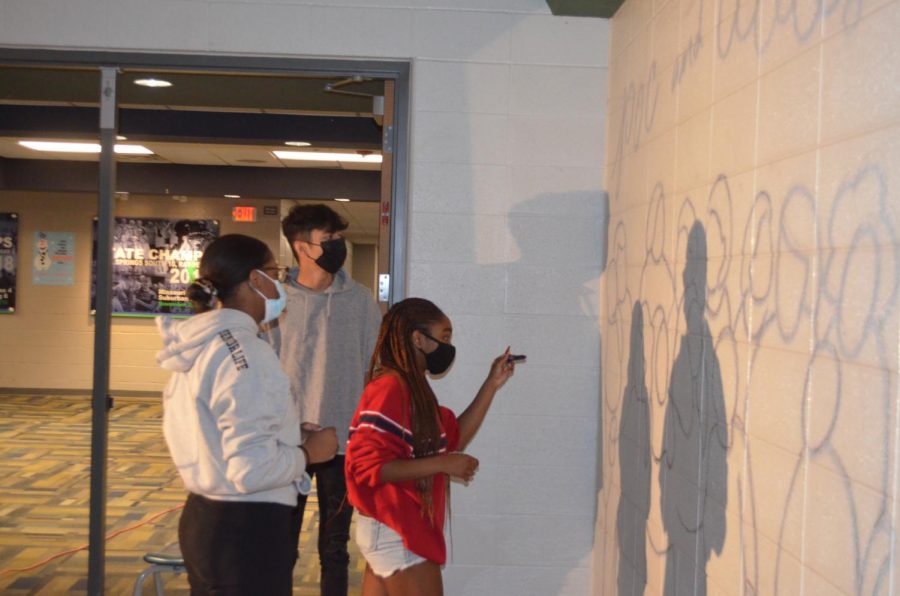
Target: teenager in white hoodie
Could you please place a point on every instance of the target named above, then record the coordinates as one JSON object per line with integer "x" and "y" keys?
{"x": 233, "y": 428}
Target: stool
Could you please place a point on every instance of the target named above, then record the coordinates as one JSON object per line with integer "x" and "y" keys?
{"x": 159, "y": 563}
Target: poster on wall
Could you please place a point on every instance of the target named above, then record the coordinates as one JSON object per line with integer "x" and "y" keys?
{"x": 9, "y": 239}
{"x": 154, "y": 261}
{"x": 53, "y": 259}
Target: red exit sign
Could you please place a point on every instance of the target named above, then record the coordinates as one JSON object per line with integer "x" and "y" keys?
{"x": 243, "y": 213}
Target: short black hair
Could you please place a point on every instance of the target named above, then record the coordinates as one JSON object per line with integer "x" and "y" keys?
{"x": 303, "y": 219}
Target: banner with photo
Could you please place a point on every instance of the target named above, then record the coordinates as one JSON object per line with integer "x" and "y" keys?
{"x": 154, "y": 261}
{"x": 53, "y": 259}
{"x": 9, "y": 246}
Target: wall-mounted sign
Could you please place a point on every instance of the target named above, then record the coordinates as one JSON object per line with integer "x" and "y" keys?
{"x": 270, "y": 210}
{"x": 53, "y": 259}
{"x": 243, "y": 213}
{"x": 154, "y": 261}
{"x": 9, "y": 241}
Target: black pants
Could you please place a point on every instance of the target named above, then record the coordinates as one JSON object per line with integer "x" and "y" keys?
{"x": 335, "y": 514}
{"x": 238, "y": 548}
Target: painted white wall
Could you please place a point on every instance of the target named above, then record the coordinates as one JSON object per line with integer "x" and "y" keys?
{"x": 505, "y": 226}
{"x": 759, "y": 455}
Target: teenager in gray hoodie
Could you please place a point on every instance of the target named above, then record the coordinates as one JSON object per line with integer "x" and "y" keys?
{"x": 233, "y": 428}
{"x": 325, "y": 339}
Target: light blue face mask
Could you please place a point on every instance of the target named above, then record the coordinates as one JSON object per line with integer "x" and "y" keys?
{"x": 274, "y": 306}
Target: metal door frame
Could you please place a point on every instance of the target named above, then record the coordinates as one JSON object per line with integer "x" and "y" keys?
{"x": 108, "y": 63}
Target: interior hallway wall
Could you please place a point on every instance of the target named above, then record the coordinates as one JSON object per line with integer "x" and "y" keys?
{"x": 750, "y": 301}
{"x": 48, "y": 343}
{"x": 505, "y": 225}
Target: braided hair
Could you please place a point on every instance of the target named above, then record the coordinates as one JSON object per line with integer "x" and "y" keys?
{"x": 395, "y": 353}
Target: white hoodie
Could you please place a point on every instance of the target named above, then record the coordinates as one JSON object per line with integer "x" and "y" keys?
{"x": 232, "y": 427}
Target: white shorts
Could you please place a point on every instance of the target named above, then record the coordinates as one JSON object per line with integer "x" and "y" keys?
{"x": 383, "y": 548}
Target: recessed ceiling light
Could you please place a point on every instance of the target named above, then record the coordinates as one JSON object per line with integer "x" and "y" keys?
{"x": 69, "y": 147}
{"x": 151, "y": 82}
{"x": 297, "y": 143}
{"x": 61, "y": 147}
{"x": 232, "y": 196}
{"x": 322, "y": 156}
{"x": 132, "y": 150}
{"x": 342, "y": 199}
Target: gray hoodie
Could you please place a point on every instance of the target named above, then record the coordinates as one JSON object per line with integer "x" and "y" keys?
{"x": 325, "y": 341}
{"x": 229, "y": 419}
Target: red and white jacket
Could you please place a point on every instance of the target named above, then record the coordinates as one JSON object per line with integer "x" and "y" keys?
{"x": 380, "y": 433}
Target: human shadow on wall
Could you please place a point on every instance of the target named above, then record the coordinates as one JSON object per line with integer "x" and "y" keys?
{"x": 693, "y": 473}
{"x": 634, "y": 467}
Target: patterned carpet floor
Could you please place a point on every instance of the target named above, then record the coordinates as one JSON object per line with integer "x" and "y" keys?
{"x": 45, "y": 497}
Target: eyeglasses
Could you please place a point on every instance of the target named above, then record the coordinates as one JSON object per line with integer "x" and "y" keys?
{"x": 280, "y": 272}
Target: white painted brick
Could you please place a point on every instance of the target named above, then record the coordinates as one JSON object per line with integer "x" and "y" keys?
{"x": 460, "y": 138}
{"x": 460, "y": 87}
{"x": 554, "y": 340}
{"x": 537, "y": 390}
{"x": 555, "y": 90}
{"x": 547, "y": 540}
{"x": 461, "y": 188}
{"x": 556, "y": 140}
{"x": 556, "y": 241}
{"x": 530, "y": 580}
{"x": 554, "y": 190}
{"x": 443, "y": 237}
{"x": 540, "y": 441}
{"x": 570, "y": 41}
{"x": 733, "y": 139}
{"x": 784, "y": 40}
{"x": 515, "y": 6}
{"x": 365, "y": 32}
{"x": 467, "y": 36}
{"x": 553, "y": 290}
{"x": 460, "y": 287}
{"x": 474, "y": 540}
{"x": 692, "y": 158}
{"x": 837, "y": 512}
{"x": 164, "y": 25}
{"x": 80, "y": 22}
{"x": 789, "y": 103}
{"x": 235, "y": 27}
{"x": 470, "y": 580}
{"x": 530, "y": 489}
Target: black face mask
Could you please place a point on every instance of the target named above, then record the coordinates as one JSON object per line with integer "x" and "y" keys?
{"x": 334, "y": 253}
{"x": 438, "y": 360}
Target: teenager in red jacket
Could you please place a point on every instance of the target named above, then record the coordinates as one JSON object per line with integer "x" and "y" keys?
{"x": 403, "y": 446}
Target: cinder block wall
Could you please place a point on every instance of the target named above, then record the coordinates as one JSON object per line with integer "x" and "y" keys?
{"x": 508, "y": 108}
{"x": 750, "y": 301}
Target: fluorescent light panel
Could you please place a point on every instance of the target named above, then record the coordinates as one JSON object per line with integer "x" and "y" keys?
{"x": 322, "y": 156}
{"x": 69, "y": 147}
{"x": 151, "y": 82}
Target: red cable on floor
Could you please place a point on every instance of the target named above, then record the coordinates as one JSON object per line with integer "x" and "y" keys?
{"x": 109, "y": 537}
